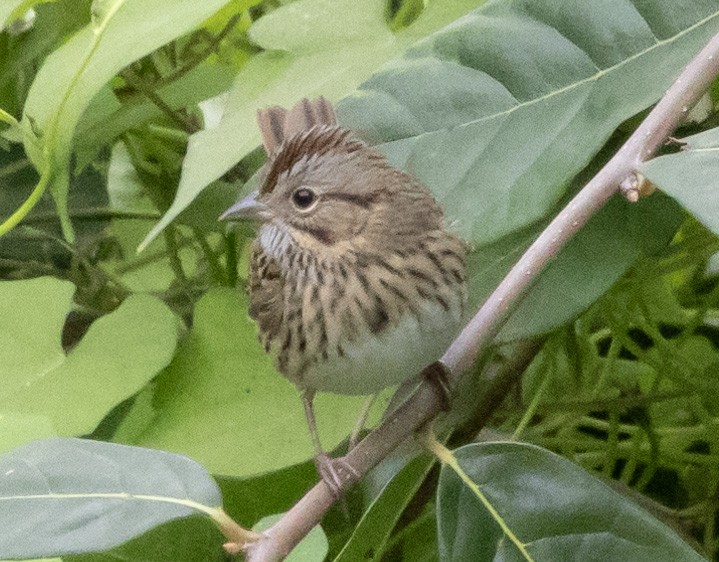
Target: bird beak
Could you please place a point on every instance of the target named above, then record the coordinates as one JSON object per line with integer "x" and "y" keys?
{"x": 248, "y": 208}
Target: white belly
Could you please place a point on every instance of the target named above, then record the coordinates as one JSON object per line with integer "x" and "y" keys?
{"x": 389, "y": 358}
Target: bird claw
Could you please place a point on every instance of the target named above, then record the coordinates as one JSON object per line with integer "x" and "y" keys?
{"x": 335, "y": 472}
{"x": 438, "y": 375}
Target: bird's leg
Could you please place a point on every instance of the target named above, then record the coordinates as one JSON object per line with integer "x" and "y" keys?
{"x": 327, "y": 467}
{"x": 361, "y": 421}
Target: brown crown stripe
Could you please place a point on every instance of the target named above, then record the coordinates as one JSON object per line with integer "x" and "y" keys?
{"x": 316, "y": 141}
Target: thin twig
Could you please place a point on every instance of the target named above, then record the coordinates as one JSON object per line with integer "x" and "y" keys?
{"x": 426, "y": 401}
{"x": 140, "y": 86}
{"x": 211, "y": 257}
{"x": 173, "y": 252}
{"x": 202, "y": 55}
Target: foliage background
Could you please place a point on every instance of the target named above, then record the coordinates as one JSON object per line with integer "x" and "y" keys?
{"x": 134, "y": 127}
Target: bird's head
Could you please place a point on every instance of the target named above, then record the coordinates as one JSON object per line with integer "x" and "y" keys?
{"x": 325, "y": 187}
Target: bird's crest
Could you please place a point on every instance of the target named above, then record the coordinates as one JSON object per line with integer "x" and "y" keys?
{"x": 308, "y": 129}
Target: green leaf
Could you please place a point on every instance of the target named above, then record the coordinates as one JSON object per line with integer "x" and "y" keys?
{"x": 102, "y": 11}
{"x": 191, "y": 539}
{"x": 555, "y": 508}
{"x": 592, "y": 262}
{"x": 122, "y": 32}
{"x": 499, "y": 111}
{"x": 17, "y": 428}
{"x": 11, "y": 10}
{"x": 371, "y": 534}
{"x": 32, "y": 314}
{"x": 691, "y": 176}
{"x": 67, "y": 496}
{"x": 113, "y": 361}
{"x": 589, "y": 265}
{"x": 247, "y": 500}
{"x": 127, "y": 194}
{"x": 106, "y": 118}
{"x": 222, "y": 383}
{"x": 312, "y": 47}
{"x": 55, "y": 22}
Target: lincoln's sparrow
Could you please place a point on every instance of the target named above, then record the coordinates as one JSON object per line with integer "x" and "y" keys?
{"x": 354, "y": 281}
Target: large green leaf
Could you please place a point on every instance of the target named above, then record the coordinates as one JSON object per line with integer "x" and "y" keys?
{"x": 691, "y": 176}
{"x": 248, "y": 500}
{"x": 522, "y": 98}
{"x": 312, "y": 47}
{"x": 122, "y": 31}
{"x": 556, "y": 509}
{"x": 223, "y": 384}
{"x": 499, "y": 111}
{"x": 190, "y": 539}
{"x": 32, "y": 314}
{"x": 67, "y": 496}
{"x": 106, "y": 118}
{"x": 614, "y": 239}
{"x": 120, "y": 353}
{"x": 591, "y": 263}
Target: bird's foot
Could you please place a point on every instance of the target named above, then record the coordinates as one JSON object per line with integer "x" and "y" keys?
{"x": 437, "y": 374}
{"x": 335, "y": 472}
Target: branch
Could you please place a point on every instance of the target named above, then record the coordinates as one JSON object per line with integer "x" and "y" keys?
{"x": 426, "y": 402}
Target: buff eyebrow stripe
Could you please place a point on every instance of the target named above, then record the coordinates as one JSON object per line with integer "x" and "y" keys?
{"x": 364, "y": 201}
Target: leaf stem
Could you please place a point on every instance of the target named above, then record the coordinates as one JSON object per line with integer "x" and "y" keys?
{"x": 533, "y": 405}
{"x": 237, "y": 535}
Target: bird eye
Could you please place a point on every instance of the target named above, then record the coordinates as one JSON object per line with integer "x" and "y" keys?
{"x": 303, "y": 198}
